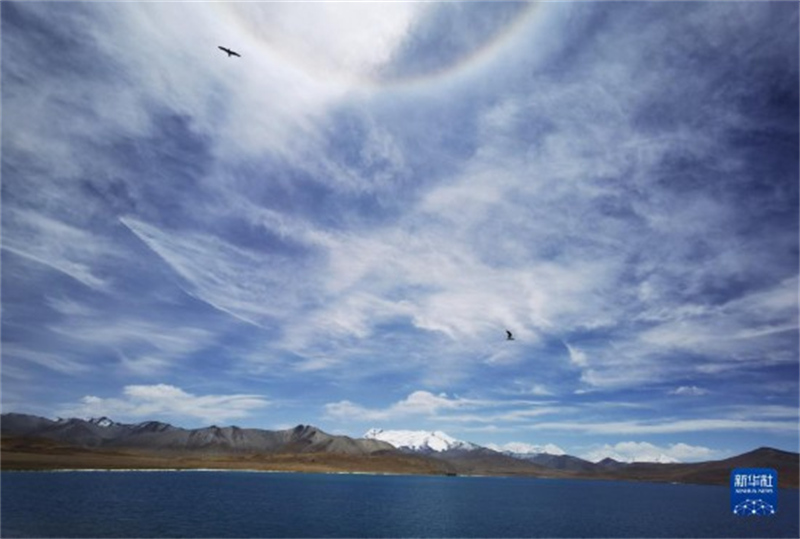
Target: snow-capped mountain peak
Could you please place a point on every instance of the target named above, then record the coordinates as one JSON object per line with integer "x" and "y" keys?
{"x": 101, "y": 421}
{"x": 419, "y": 440}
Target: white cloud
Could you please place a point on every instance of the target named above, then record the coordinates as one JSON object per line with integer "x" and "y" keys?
{"x": 647, "y": 452}
{"x": 297, "y": 61}
{"x": 164, "y": 400}
{"x": 527, "y": 388}
{"x": 764, "y": 411}
{"x": 521, "y": 447}
{"x": 669, "y": 426}
{"x": 424, "y": 402}
{"x": 418, "y": 403}
{"x": 424, "y": 405}
{"x": 689, "y": 390}
{"x": 577, "y": 356}
{"x": 540, "y": 390}
{"x": 343, "y": 42}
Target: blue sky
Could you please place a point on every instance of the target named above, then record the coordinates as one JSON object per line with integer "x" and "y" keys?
{"x": 338, "y": 227}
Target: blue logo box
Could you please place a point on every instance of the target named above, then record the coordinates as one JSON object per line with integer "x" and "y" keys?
{"x": 754, "y": 491}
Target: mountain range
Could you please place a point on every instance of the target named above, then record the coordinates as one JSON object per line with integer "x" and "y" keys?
{"x": 163, "y": 437}
{"x": 32, "y": 442}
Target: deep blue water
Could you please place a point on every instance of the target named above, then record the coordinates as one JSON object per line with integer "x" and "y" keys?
{"x": 241, "y": 504}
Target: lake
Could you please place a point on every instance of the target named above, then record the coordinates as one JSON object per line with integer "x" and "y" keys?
{"x": 252, "y": 504}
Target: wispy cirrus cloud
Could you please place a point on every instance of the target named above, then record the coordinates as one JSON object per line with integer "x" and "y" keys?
{"x": 251, "y": 285}
{"x": 668, "y": 426}
{"x": 753, "y": 329}
{"x": 139, "y": 346}
{"x": 56, "y": 361}
{"x": 456, "y": 411}
{"x": 66, "y": 248}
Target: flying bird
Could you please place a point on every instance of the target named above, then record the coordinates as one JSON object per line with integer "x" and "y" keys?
{"x": 509, "y": 336}
{"x": 230, "y": 52}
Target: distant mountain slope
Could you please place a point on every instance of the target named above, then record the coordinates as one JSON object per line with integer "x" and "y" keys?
{"x": 787, "y": 465}
{"x": 710, "y": 472}
{"x": 484, "y": 461}
{"x": 561, "y": 462}
{"x": 155, "y": 436}
{"x": 611, "y": 464}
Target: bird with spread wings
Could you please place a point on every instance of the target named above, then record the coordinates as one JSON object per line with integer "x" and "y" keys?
{"x": 230, "y": 52}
